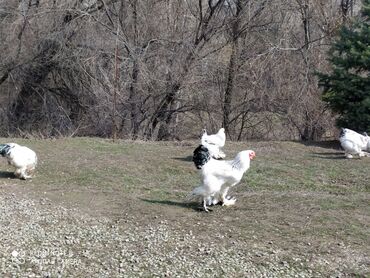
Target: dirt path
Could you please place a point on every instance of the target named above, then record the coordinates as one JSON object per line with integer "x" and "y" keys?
{"x": 44, "y": 238}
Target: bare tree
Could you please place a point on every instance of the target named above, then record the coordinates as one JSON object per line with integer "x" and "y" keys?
{"x": 166, "y": 69}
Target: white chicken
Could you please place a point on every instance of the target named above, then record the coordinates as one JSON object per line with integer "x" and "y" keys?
{"x": 354, "y": 143}
{"x": 22, "y": 158}
{"x": 218, "y": 176}
{"x": 214, "y": 143}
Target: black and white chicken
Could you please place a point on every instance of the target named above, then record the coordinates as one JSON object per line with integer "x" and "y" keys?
{"x": 218, "y": 176}
{"x": 22, "y": 158}
{"x": 214, "y": 143}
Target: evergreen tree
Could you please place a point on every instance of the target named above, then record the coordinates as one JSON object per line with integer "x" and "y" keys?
{"x": 347, "y": 87}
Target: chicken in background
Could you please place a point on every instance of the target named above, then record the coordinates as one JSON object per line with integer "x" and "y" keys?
{"x": 214, "y": 143}
{"x": 217, "y": 177}
{"x": 22, "y": 158}
{"x": 354, "y": 143}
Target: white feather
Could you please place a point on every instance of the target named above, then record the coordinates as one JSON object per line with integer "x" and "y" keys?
{"x": 214, "y": 143}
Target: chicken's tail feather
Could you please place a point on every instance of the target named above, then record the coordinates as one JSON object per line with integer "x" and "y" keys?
{"x": 4, "y": 148}
{"x": 342, "y": 132}
{"x": 201, "y": 156}
{"x": 196, "y": 193}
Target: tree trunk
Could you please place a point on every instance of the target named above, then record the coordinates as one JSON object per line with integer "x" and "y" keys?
{"x": 229, "y": 91}
{"x": 229, "y": 88}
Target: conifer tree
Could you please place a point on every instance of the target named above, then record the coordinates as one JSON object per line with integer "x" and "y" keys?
{"x": 347, "y": 87}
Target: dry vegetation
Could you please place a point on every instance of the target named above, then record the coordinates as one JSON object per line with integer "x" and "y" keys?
{"x": 100, "y": 208}
{"x": 165, "y": 69}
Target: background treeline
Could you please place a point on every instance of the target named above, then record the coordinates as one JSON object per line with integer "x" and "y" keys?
{"x": 165, "y": 69}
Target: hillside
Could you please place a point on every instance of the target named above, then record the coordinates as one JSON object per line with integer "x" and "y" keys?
{"x": 97, "y": 208}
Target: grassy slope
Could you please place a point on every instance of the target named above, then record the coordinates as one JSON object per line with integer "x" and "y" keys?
{"x": 305, "y": 205}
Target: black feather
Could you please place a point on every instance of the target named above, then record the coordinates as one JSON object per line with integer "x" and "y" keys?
{"x": 201, "y": 156}
{"x": 4, "y": 149}
{"x": 342, "y": 132}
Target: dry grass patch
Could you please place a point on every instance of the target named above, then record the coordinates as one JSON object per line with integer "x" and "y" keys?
{"x": 301, "y": 209}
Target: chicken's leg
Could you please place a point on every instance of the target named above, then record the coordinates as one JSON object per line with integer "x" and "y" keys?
{"x": 226, "y": 200}
{"x": 205, "y": 205}
{"x": 23, "y": 174}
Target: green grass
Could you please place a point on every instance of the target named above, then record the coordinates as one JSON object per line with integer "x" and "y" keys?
{"x": 306, "y": 199}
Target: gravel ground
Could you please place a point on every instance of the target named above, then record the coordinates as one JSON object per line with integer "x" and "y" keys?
{"x": 40, "y": 239}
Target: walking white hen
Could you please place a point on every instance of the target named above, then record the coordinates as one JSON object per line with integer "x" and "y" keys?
{"x": 218, "y": 176}
{"x": 354, "y": 143}
{"x": 22, "y": 158}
